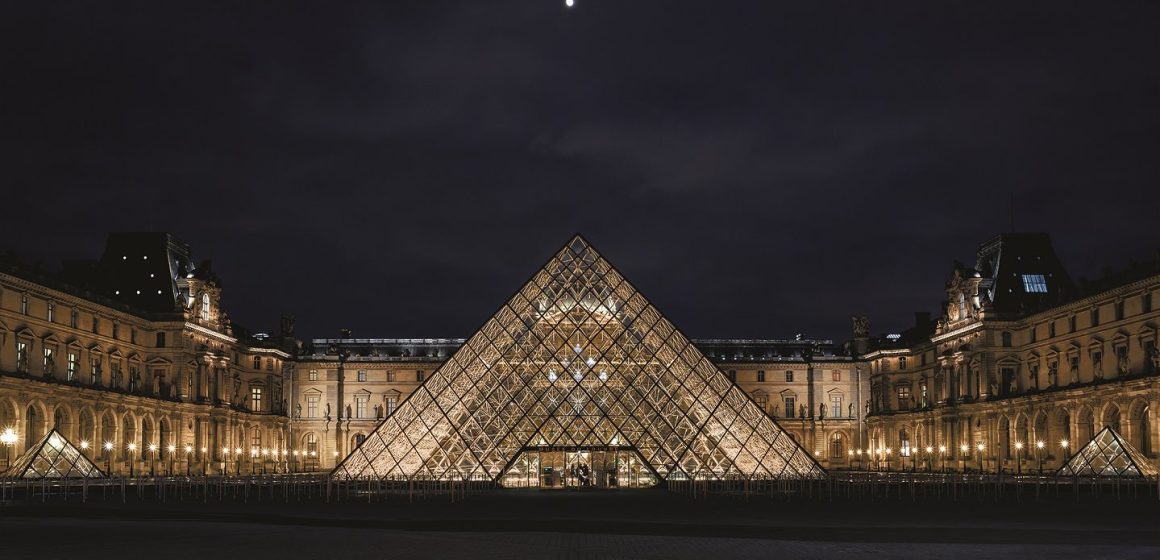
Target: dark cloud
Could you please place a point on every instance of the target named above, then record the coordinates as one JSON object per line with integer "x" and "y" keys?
{"x": 758, "y": 169}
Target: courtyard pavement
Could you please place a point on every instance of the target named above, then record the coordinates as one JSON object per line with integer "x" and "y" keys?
{"x": 544, "y": 524}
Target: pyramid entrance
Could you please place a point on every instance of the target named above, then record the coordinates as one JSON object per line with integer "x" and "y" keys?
{"x": 578, "y": 371}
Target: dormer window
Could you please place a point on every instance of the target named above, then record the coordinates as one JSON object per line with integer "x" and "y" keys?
{"x": 1034, "y": 284}
{"x": 204, "y": 306}
{"x": 962, "y": 306}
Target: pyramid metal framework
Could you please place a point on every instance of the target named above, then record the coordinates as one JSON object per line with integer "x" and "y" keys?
{"x": 1108, "y": 454}
{"x": 578, "y": 358}
{"x": 53, "y": 457}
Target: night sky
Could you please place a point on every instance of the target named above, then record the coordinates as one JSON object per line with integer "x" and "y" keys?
{"x": 757, "y": 169}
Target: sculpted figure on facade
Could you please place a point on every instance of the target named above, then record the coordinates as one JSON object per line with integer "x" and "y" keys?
{"x": 822, "y": 411}
{"x": 1052, "y": 373}
{"x": 1033, "y": 373}
{"x": 1097, "y": 365}
{"x": 861, "y": 326}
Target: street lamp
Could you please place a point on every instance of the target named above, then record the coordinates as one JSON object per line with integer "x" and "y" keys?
{"x": 172, "y": 449}
{"x": 1018, "y": 458}
{"x": 942, "y": 457}
{"x": 929, "y": 458}
{"x": 887, "y": 458}
{"x": 1039, "y": 454}
{"x": 225, "y": 456}
{"x": 108, "y": 457}
{"x": 132, "y": 458}
{"x": 203, "y": 461}
{"x": 981, "y": 447}
{"x": 963, "y": 456}
{"x": 8, "y": 438}
{"x": 188, "y": 459}
{"x": 152, "y": 459}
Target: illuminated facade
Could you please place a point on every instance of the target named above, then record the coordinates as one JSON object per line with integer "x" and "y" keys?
{"x": 578, "y": 380}
{"x": 1022, "y": 367}
{"x": 135, "y": 351}
{"x": 133, "y": 360}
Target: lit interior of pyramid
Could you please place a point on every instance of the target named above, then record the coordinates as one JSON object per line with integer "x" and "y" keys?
{"x": 578, "y": 368}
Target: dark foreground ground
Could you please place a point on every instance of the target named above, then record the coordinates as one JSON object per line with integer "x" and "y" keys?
{"x": 545, "y": 524}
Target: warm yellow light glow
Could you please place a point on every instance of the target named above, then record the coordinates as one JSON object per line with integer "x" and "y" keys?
{"x": 108, "y": 446}
{"x": 929, "y": 449}
{"x": 171, "y": 448}
{"x": 1039, "y": 444}
{"x": 1018, "y": 445}
{"x": 189, "y": 449}
{"x": 152, "y": 447}
{"x": 942, "y": 449}
{"x": 981, "y": 446}
{"x": 9, "y": 436}
{"x": 1063, "y": 444}
{"x": 225, "y": 451}
{"x": 84, "y": 444}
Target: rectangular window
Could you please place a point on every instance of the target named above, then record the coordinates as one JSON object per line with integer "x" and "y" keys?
{"x": 312, "y": 406}
{"x": 790, "y": 407}
{"x": 836, "y": 375}
{"x": 922, "y": 359}
{"x": 160, "y": 340}
{"x": 21, "y": 357}
{"x": 1095, "y": 316}
{"x": 74, "y": 318}
{"x": 257, "y": 362}
{"x": 73, "y": 366}
{"x": 903, "y": 397}
{"x": 922, "y": 394}
{"x": 761, "y": 376}
{"x": 836, "y": 406}
{"x": 23, "y": 304}
{"x": 1034, "y": 284}
{"x": 51, "y": 312}
{"x": 1006, "y": 338}
{"x": 789, "y": 376}
{"x": 1119, "y": 310}
{"x": 390, "y": 376}
{"x": 1146, "y": 302}
{"x": 256, "y": 399}
{"x": 269, "y": 364}
{"x": 312, "y": 375}
{"x": 95, "y": 371}
{"x": 96, "y": 324}
{"x": 360, "y": 406}
{"x": 1051, "y": 329}
{"x": 362, "y": 376}
{"x": 1033, "y": 333}
{"x": 115, "y": 374}
{"x": 132, "y": 335}
{"x": 733, "y": 375}
{"x": 1071, "y": 324}
{"x": 49, "y": 362}
{"x": 902, "y": 362}
{"x": 392, "y": 404}
{"x": 419, "y": 376}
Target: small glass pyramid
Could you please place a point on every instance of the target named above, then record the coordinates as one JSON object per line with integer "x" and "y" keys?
{"x": 53, "y": 457}
{"x": 1108, "y": 454}
{"x": 578, "y": 359}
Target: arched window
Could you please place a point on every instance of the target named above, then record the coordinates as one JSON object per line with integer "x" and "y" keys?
{"x": 1112, "y": 418}
{"x": 837, "y": 446}
{"x": 205, "y": 306}
{"x": 33, "y": 427}
{"x": 903, "y": 443}
{"x": 256, "y": 440}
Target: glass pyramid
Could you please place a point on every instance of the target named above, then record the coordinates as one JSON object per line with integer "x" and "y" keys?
{"x": 578, "y": 359}
{"x": 1108, "y": 454}
{"x": 53, "y": 457}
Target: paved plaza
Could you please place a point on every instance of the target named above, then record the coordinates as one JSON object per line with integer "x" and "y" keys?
{"x": 645, "y": 524}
